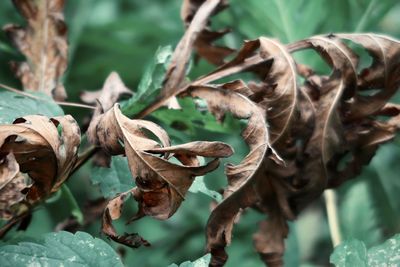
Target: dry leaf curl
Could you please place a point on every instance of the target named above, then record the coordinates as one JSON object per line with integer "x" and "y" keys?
{"x": 161, "y": 184}
{"x": 44, "y": 44}
{"x": 36, "y": 156}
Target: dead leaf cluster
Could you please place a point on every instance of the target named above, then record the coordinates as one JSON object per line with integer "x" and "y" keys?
{"x": 37, "y": 155}
{"x": 306, "y": 131}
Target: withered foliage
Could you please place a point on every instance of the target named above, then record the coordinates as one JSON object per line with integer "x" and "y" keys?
{"x": 44, "y": 44}
{"x": 37, "y": 155}
{"x": 306, "y": 131}
{"x": 161, "y": 184}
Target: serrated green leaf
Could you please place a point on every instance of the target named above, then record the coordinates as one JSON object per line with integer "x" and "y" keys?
{"x": 350, "y": 253}
{"x": 150, "y": 84}
{"x": 386, "y": 254}
{"x": 201, "y": 262}
{"x": 354, "y": 253}
{"x": 60, "y": 249}
{"x": 114, "y": 180}
{"x": 13, "y": 106}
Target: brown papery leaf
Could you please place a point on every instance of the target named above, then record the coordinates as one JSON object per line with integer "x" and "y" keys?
{"x": 161, "y": 184}
{"x": 44, "y": 44}
{"x": 174, "y": 78}
{"x": 279, "y": 88}
{"x": 328, "y": 138}
{"x": 204, "y": 43}
{"x": 177, "y": 68}
{"x": 383, "y": 74}
{"x": 240, "y": 193}
{"x": 11, "y": 185}
{"x": 42, "y": 153}
{"x": 112, "y": 90}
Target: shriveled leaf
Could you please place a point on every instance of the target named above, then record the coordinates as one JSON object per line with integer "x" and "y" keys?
{"x": 161, "y": 184}
{"x": 204, "y": 43}
{"x": 180, "y": 58}
{"x": 14, "y": 106}
{"x": 61, "y": 249}
{"x": 279, "y": 89}
{"x": 112, "y": 90}
{"x": 239, "y": 194}
{"x": 45, "y": 151}
{"x": 174, "y": 81}
{"x": 383, "y": 74}
{"x": 12, "y": 182}
{"x": 44, "y": 44}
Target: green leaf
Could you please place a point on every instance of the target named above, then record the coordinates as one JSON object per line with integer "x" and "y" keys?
{"x": 357, "y": 206}
{"x": 194, "y": 116}
{"x": 350, "y": 253}
{"x": 386, "y": 254}
{"x": 199, "y": 186}
{"x": 354, "y": 253}
{"x": 201, "y": 262}
{"x": 114, "y": 180}
{"x": 150, "y": 84}
{"x": 13, "y": 106}
{"x": 60, "y": 249}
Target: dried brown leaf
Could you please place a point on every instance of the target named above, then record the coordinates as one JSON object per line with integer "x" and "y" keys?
{"x": 44, "y": 44}
{"x": 240, "y": 193}
{"x": 204, "y": 42}
{"x": 161, "y": 184}
{"x": 45, "y": 151}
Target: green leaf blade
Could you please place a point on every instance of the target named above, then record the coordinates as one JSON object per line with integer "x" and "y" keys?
{"x": 13, "y": 106}
{"x": 61, "y": 249}
{"x": 114, "y": 180}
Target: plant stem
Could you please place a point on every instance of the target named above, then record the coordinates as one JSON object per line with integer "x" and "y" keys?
{"x": 333, "y": 216}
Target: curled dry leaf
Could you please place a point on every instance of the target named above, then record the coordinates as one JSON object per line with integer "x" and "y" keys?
{"x": 112, "y": 90}
{"x": 198, "y": 14}
{"x": 161, "y": 184}
{"x": 44, "y": 44}
{"x": 36, "y": 157}
{"x": 313, "y": 127}
{"x": 240, "y": 193}
{"x": 204, "y": 43}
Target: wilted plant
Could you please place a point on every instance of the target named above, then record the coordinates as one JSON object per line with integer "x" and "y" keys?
{"x": 306, "y": 132}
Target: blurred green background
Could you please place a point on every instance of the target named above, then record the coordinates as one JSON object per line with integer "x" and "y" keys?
{"x": 122, "y": 36}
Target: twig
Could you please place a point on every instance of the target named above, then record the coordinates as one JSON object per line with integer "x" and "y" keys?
{"x": 333, "y": 216}
{"x": 61, "y": 103}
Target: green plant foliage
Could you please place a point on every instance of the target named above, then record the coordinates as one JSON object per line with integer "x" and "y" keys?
{"x": 60, "y": 249}
{"x": 355, "y": 253}
{"x": 201, "y": 262}
{"x": 194, "y": 116}
{"x": 114, "y": 180}
{"x": 150, "y": 84}
{"x": 13, "y": 106}
{"x": 357, "y": 206}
